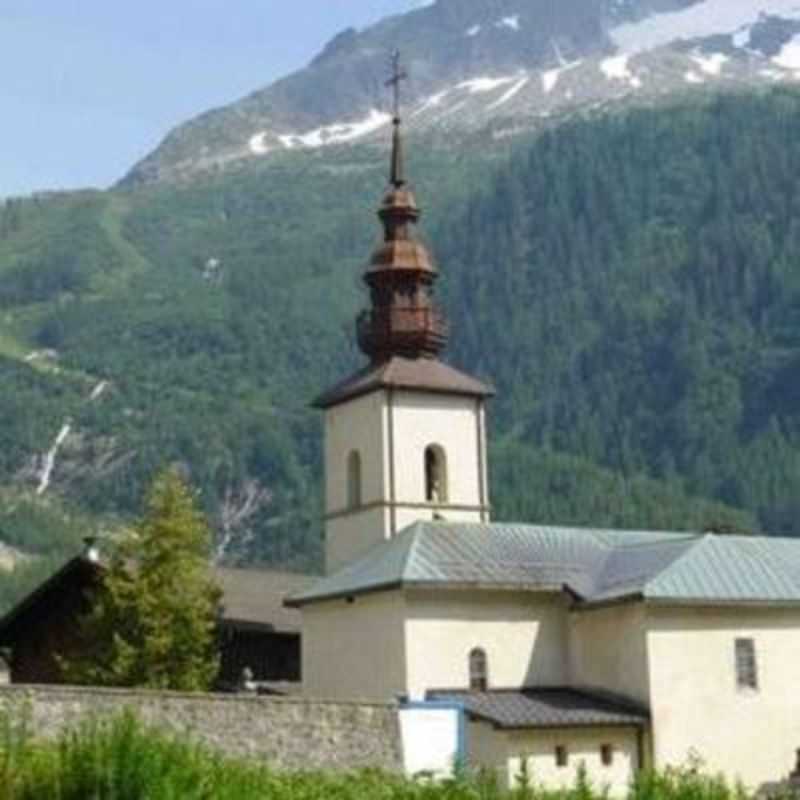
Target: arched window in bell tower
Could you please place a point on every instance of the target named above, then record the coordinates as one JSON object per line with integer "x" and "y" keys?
{"x": 354, "y": 479}
{"x": 435, "y": 474}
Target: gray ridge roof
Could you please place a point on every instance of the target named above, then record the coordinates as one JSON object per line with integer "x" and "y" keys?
{"x": 545, "y": 708}
{"x": 594, "y": 565}
{"x": 254, "y": 597}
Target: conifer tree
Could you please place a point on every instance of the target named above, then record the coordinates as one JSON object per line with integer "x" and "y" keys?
{"x": 153, "y": 624}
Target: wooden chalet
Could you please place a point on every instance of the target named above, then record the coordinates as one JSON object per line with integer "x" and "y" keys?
{"x": 258, "y": 636}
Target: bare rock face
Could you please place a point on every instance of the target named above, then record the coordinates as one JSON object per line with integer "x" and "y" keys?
{"x": 474, "y": 62}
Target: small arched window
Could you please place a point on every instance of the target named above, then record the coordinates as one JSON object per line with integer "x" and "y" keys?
{"x": 435, "y": 474}
{"x": 354, "y": 479}
{"x": 478, "y": 670}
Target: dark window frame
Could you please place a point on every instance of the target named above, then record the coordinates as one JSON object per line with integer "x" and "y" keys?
{"x": 746, "y": 663}
{"x": 355, "y": 484}
{"x": 562, "y": 756}
{"x": 478, "y": 664}
{"x": 435, "y": 464}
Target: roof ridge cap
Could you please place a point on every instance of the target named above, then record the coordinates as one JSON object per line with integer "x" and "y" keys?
{"x": 696, "y": 541}
{"x": 413, "y": 534}
{"x": 666, "y": 537}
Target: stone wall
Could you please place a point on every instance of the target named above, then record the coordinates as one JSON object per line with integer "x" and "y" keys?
{"x": 289, "y": 733}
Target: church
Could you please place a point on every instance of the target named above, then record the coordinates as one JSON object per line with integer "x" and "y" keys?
{"x": 614, "y": 650}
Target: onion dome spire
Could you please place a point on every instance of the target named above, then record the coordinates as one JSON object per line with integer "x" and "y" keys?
{"x": 403, "y": 320}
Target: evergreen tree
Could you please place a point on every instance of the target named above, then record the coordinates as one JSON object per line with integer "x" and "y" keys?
{"x": 154, "y": 620}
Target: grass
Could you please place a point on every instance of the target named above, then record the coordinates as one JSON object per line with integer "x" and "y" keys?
{"x": 121, "y": 759}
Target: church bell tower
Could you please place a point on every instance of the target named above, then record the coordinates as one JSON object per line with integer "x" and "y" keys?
{"x": 405, "y": 437}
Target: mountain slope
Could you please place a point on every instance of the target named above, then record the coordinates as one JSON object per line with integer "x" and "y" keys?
{"x": 628, "y": 282}
{"x": 504, "y": 67}
{"x": 635, "y": 281}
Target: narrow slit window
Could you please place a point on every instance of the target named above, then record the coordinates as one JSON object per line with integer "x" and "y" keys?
{"x": 562, "y": 756}
{"x": 435, "y": 475}
{"x": 746, "y": 667}
{"x": 354, "y": 479}
{"x": 478, "y": 670}
{"x": 607, "y": 754}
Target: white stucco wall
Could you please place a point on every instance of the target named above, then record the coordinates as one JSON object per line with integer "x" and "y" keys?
{"x": 355, "y": 650}
{"x": 360, "y": 425}
{"x": 453, "y": 423}
{"x": 351, "y": 536}
{"x": 487, "y": 748}
{"x": 504, "y": 751}
{"x": 583, "y": 745}
{"x": 524, "y": 636}
{"x": 696, "y": 706}
{"x": 608, "y": 650}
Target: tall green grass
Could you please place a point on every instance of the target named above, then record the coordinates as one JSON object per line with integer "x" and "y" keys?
{"x": 120, "y": 759}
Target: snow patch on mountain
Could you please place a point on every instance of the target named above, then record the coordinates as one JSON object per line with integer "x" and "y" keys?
{"x": 473, "y": 31}
{"x": 551, "y": 77}
{"x": 510, "y": 94}
{"x": 511, "y": 22}
{"x": 434, "y": 101}
{"x": 741, "y": 38}
{"x": 711, "y": 64}
{"x": 486, "y": 84}
{"x": 617, "y": 68}
{"x": 708, "y": 18}
{"x": 258, "y": 144}
{"x": 338, "y": 132}
{"x": 789, "y": 56}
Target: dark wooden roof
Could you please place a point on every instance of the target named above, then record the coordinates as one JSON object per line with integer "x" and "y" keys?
{"x": 252, "y": 599}
{"x": 424, "y": 374}
{"x": 80, "y": 571}
{"x": 546, "y": 708}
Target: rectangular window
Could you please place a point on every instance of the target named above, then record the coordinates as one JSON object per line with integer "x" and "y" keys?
{"x": 561, "y": 755}
{"x": 746, "y": 668}
{"x": 607, "y": 754}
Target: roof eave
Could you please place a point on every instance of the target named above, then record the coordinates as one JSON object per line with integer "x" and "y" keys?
{"x": 609, "y": 602}
{"x": 333, "y": 398}
{"x": 723, "y": 602}
{"x": 633, "y": 723}
{"x": 301, "y": 601}
{"x": 443, "y": 585}
{"x": 255, "y": 626}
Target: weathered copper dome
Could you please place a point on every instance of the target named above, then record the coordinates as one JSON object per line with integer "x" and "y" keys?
{"x": 403, "y": 320}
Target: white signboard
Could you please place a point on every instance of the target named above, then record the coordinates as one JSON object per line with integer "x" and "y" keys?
{"x": 432, "y": 736}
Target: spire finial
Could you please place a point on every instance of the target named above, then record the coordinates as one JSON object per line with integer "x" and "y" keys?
{"x": 398, "y": 76}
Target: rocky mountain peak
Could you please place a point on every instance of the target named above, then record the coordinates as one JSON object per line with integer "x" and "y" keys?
{"x": 507, "y": 64}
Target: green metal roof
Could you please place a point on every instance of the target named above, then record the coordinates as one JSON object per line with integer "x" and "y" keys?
{"x": 594, "y": 565}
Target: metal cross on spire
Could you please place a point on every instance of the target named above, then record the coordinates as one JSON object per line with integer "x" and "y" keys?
{"x": 398, "y": 76}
